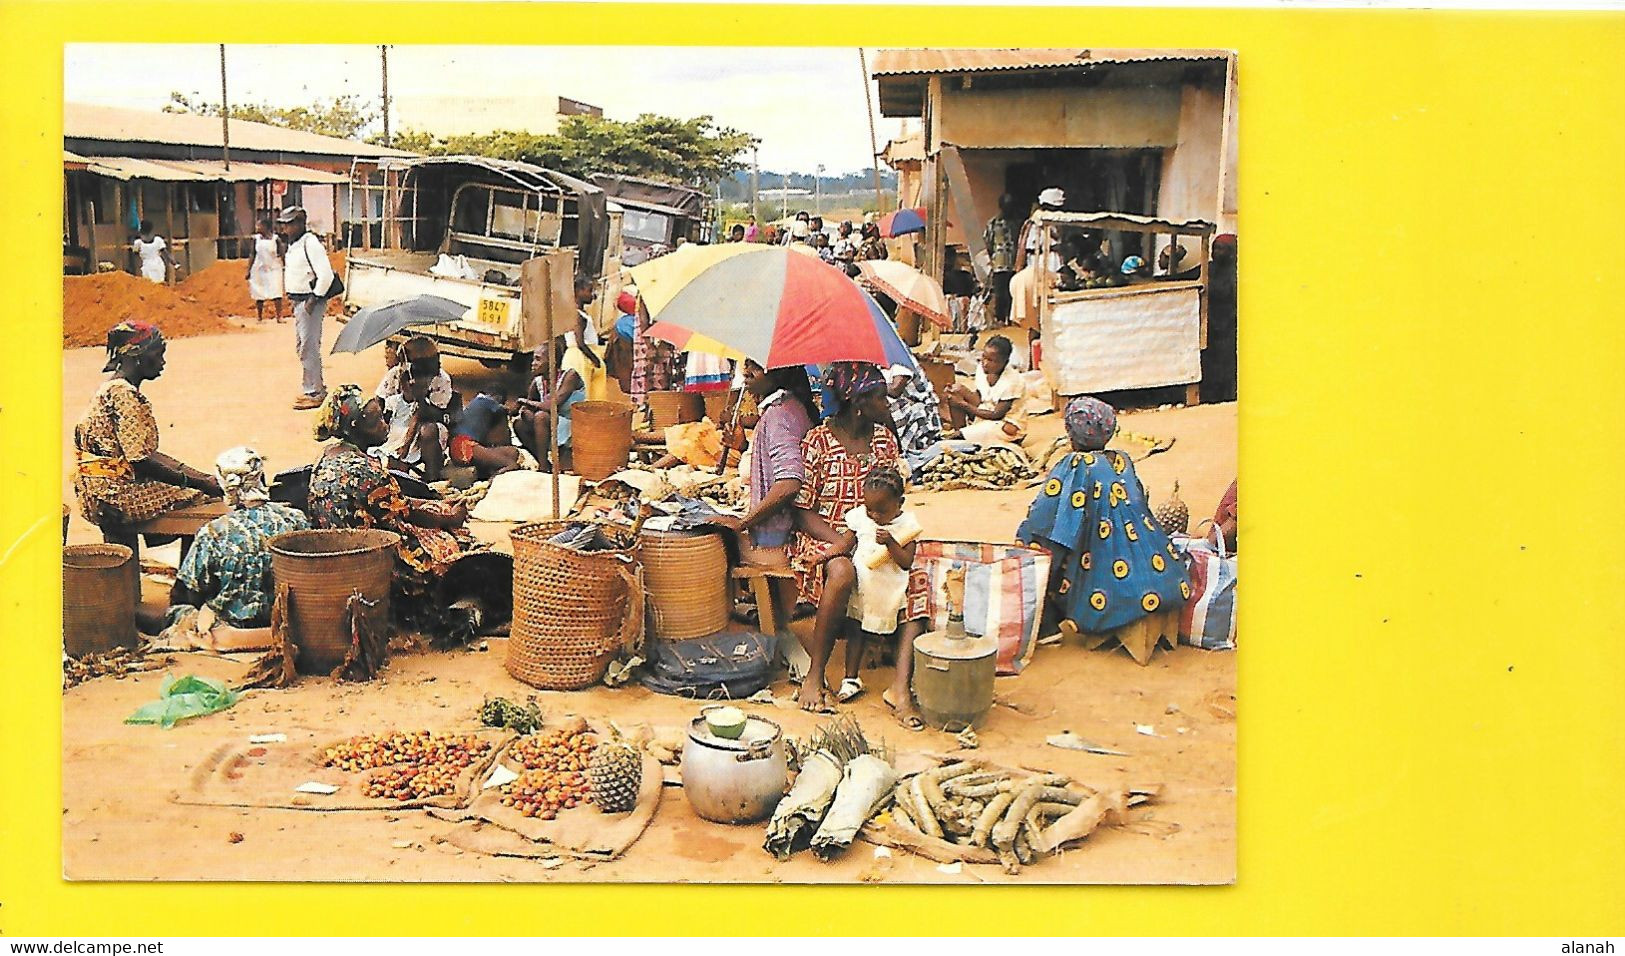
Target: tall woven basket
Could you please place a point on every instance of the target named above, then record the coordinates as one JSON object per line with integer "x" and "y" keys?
{"x": 675, "y": 408}
{"x": 600, "y": 438}
{"x": 687, "y": 579}
{"x": 322, "y": 568}
{"x": 100, "y": 588}
{"x": 572, "y": 611}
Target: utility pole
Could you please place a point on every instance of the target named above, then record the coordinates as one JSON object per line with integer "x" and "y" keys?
{"x": 755, "y": 185}
{"x": 784, "y": 196}
{"x": 225, "y": 114}
{"x": 383, "y": 57}
{"x": 818, "y": 190}
{"x": 874, "y": 146}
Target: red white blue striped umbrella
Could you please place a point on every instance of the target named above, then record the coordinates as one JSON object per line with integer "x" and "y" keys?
{"x": 902, "y": 222}
{"x": 779, "y": 309}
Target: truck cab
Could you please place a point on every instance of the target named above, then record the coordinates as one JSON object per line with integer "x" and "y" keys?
{"x": 655, "y": 214}
{"x": 462, "y": 227}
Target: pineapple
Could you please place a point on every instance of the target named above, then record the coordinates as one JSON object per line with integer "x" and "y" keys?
{"x": 615, "y": 772}
{"x": 1172, "y": 513}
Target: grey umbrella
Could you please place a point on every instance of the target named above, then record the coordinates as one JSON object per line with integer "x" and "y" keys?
{"x": 370, "y": 326}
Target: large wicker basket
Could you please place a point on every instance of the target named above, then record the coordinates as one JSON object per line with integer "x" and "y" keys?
{"x": 687, "y": 579}
{"x": 675, "y": 408}
{"x": 572, "y": 611}
{"x": 322, "y": 568}
{"x": 100, "y": 588}
{"x": 600, "y": 438}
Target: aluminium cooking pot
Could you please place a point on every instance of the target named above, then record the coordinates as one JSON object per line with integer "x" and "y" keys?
{"x": 734, "y": 781}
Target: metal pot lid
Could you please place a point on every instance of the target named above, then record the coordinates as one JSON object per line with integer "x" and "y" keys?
{"x": 943, "y": 646}
{"x": 758, "y": 730}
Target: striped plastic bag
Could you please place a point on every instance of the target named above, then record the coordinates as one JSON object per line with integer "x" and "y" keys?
{"x": 1004, "y": 593}
{"x": 1209, "y": 618}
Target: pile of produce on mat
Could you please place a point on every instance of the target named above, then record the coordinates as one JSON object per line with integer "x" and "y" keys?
{"x": 992, "y": 467}
{"x": 843, "y": 782}
{"x": 414, "y": 765}
{"x": 565, "y": 768}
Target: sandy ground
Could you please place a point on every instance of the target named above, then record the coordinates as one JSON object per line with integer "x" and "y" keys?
{"x": 120, "y": 824}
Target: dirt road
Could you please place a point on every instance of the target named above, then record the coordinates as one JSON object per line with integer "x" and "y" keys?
{"x": 119, "y": 821}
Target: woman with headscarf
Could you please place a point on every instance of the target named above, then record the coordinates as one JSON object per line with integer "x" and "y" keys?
{"x": 837, "y": 458}
{"x": 351, "y": 489}
{"x": 1113, "y": 563}
{"x": 916, "y": 413}
{"x": 121, "y": 478}
{"x": 228, "y": 568}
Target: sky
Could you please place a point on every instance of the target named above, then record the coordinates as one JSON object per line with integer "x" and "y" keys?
{"x": 805, "y": 104}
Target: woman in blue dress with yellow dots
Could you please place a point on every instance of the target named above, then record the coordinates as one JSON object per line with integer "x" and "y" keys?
{"x": 1113, "y": 563}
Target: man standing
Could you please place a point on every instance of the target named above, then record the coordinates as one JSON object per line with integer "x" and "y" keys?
{"x": 308, "y": 278}
{"x": 1000, "y": 239}
{"x": 586, "y": 294}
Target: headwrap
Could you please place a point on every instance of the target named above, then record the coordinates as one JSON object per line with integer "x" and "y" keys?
{"x": 1053, "y": 197}
{"x": 1090, "y": 423}
{"x": 627, "y": 302}
{"x": 851, "y": 381}
{"x": 130, "y": 338}
{"x": 1132, "y": 265}
{"x": 343, "y": 404}
{"x": 242, "y": 476}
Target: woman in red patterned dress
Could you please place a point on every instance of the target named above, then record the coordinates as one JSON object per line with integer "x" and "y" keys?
{"x": 838, "y": 456}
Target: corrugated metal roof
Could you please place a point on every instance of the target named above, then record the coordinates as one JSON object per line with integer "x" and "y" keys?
{"x": 1108, "y": 219}
{"x": 116, "y": 124}
{"x": 910, "y": 148}
{"x": 201, "y": 171}
{"x": 922, "y": 62}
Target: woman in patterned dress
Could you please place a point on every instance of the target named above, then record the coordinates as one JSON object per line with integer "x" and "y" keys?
{"x": 1113, "y": 563}
{"x": 837, "y": 457}
{"x": 351, "y": 489}
{"x": 121, "y": 478}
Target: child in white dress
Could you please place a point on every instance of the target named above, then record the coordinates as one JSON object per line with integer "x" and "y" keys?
{"x": 883, "y": 542}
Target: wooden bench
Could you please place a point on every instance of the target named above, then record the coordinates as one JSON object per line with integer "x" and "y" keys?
{"x": 183, "y": 523}
{"x": 759, "y": 579}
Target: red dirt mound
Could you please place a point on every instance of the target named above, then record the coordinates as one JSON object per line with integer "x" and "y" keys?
{"x": 223, "y": 288}
{"x": 93, "y": 304}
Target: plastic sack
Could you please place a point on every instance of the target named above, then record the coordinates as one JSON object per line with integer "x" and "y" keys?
{"x": 179, "y": 699}
{"x": 697, "y": 443}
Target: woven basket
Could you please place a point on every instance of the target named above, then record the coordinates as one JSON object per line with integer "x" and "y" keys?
{"x": 100, "y": 587}
{"x": 687, "y": 579}
{"x": 600, "y": 438}
{"x": 675, "y": 408}
{"x": 572, "y": 611}
{"x": 322, "y": 568}
{"x": 717, "y": 405}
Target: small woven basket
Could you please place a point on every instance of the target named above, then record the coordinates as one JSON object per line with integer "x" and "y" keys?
{"x": 688, "y": 586}
{"x": 100, "y": 588}
{"x": 572, "y": 611}
{"x": 675, "y": 408}
{"x": 600, "y": 438}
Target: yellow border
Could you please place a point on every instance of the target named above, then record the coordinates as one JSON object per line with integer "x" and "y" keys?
{"x": 1432, "y": 711}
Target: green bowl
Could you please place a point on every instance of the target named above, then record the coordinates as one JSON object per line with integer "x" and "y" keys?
{"x": 726, "y": 722}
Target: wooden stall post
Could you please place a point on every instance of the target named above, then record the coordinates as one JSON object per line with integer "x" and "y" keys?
{"x": 169, "y": 226}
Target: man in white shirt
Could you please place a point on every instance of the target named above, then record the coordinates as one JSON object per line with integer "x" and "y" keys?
{"x": 308, "y": 277}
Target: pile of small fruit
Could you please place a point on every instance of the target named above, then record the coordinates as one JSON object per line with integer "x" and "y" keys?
{"x": 118, "y": 662}
{"x": 420, "y": 764}
{"x": 554, "y": 776}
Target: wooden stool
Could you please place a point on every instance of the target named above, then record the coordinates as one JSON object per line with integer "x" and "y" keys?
{"x": 1140, "y": 638}
{"x": 183, "y": 523}
{"x": 759, "y": 579}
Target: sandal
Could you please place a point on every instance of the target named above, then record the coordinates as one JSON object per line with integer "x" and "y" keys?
{"x": 850, "y": 689}
{"x": 912, "y": 722}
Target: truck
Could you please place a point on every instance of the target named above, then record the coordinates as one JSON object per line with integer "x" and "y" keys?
{"x": 655, "y": 213}
{"x": 463, "y": 228}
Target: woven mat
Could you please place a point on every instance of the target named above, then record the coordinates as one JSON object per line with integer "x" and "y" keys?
{"x": 266, "y": 775}
{"x": 584, "y": 832}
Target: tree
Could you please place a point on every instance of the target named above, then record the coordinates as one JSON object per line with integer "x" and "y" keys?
{"x": 694, "y": 151}
{"x": 343, "y": 116}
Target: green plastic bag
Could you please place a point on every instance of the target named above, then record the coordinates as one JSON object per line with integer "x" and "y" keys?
{"x": 186, "y": 697}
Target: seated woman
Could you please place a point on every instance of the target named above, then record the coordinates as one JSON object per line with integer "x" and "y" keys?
{"x": 787, "y": 413}
{"x": 1113, "y": 564}
{"x": 351, "y": 489}
{"x": 228, "y": 569}
{"x": 121, "y": 478}
{"x": 995, "y": 406}
{"x": 420, "y": 404}
{"x": 579, "y": 376}
{"x": 838, "y": 457}
{"x": 915, "y": 411}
